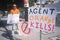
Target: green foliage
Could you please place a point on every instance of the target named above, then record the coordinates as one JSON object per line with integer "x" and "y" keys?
{"x": 31, "y": 2}
{"x": 21, "y": 9}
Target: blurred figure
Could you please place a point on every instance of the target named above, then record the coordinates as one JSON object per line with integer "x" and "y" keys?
{"x": 14, "y": 10}
{"x": 15, "y": 17}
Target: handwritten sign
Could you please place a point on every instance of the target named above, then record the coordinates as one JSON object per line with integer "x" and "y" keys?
{"x": 42, "y": 18}
{"x": 13, "y": 18}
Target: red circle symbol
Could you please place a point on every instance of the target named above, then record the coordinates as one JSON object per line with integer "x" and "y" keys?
{"x": 25, "y": 28}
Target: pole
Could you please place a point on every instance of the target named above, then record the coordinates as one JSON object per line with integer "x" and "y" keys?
{"x": 40, "y": 30}
{"x": 40, "y": 35}
{"x": 26, "y": 13}
{"x": 26, "y": 5}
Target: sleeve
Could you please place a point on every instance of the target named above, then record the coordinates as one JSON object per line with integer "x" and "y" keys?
{"x": 11, "y": 12}
{"x": 19, "y": 11}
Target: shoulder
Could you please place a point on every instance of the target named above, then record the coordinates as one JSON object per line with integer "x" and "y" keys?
{"x": 11, "y": 10}
{"x": 17, "y": 9}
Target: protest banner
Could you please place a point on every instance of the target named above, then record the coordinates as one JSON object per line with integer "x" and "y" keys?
{"x": 42, "y": 18}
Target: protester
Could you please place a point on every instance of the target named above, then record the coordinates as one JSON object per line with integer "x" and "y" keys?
{"x": 14, "y": 10}
{"x": 15, "y": 18}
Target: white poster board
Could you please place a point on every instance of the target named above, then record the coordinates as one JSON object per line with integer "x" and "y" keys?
{"x": 42, "y": 18}
{"x": 13, "y": 18}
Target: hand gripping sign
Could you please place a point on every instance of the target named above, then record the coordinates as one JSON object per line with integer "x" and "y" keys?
{"x": 26, "y": 3}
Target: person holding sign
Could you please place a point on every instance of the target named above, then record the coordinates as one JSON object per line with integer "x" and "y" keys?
{"x": 15, "y": 17}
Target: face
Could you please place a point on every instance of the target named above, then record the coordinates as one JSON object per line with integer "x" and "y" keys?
{"x": 14, "y": 7}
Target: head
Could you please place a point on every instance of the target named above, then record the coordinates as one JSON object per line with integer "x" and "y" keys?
{"x": 14, "y": 6}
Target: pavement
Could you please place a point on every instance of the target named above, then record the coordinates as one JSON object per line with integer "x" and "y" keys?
{"x": 33, "y": 35}
{"x": 22, "y": 36}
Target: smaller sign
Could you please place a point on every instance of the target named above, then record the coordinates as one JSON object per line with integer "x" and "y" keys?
{"x": 13, "y": 18}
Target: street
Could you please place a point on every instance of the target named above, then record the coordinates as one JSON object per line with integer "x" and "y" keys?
{"x": 33, "y": 35}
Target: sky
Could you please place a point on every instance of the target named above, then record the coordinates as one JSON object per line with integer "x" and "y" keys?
{"x": 56, "y": 5}
{"x": 45, "y": 0}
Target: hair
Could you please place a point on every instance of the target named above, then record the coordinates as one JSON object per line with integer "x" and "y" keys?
{"x": 14, "y": 5}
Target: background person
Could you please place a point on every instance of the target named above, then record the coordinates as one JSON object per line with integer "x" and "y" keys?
{"x": 15, "y": 18}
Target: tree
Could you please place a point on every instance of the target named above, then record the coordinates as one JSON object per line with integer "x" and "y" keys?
{"x": 31, "y": 2}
